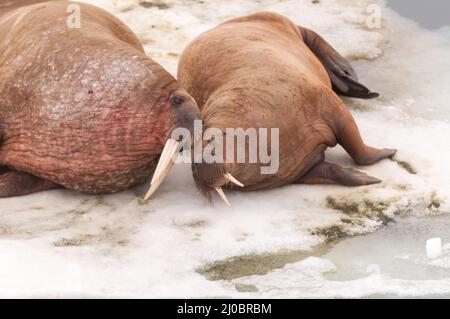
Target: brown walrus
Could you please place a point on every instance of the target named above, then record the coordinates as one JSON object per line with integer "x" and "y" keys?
{"x": 263, "y": 71}
{"x": 80, "y": 107}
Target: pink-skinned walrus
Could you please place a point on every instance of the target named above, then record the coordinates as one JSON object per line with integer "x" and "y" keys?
{"x": 264, "y": 71}
{"x": 81, "y": 106}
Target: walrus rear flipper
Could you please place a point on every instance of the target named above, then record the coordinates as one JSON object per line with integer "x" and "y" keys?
{"x": 327, "y": 173}
{"x": 342, "y": 75}
{"x": 13, "y": 183}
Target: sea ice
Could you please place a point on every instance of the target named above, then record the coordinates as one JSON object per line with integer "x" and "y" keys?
{"x": 434, "y": 248}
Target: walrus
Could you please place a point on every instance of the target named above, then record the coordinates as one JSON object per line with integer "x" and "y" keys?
{"x": 81, "y": 108}
{"x": 264, "y": 71}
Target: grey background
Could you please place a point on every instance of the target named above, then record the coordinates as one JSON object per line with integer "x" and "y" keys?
{"x": 431, "y": 14}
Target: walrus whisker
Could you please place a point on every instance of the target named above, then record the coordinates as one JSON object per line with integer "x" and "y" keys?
{"x": 233, "y": 180}
{"x": 219, "y": 190}
{"x": 164, "y": 165}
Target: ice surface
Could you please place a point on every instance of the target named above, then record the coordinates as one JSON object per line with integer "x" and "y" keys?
{"x": 60, "y": 243}
{"x": 434, "y": 248}
{"x": 391, "y": 262}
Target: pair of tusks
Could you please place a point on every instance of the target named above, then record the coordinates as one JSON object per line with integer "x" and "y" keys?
{"x": 219, "y": 190}
{"x": 165, "y": 164}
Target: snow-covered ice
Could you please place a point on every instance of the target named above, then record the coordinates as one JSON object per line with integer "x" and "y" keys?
{"x": 434, "y": 247}
{"x": 271, "y": 243}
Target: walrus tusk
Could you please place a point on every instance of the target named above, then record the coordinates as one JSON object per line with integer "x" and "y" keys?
{"x": 165, "y": 163}
{"x": 168, "y": 147}
{"x": 233, "y": 180}
{"x": 222, "y": 195}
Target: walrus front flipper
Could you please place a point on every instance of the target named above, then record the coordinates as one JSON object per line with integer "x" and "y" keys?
{"x": 327, "y": 173}
{"x": 13, "y": 183}
{"x": 342, "y": 75}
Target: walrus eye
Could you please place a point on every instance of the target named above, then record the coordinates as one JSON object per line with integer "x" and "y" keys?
{"x": 177, "y": 100}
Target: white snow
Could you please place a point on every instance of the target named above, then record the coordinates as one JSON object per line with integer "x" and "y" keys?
{"x": 434, "y": 248}
{"x": 61, "y": 243}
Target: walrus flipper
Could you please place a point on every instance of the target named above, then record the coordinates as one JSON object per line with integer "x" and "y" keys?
{"x": 13, "y": 183}
{"x": 327, "y": 173}
{"x": 341, "y": 73}
{"x": 341, "y": 121}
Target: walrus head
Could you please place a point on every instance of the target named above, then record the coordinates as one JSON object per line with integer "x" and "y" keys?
{"x": 208, "y": 177}
{"x": 184, "y": 111}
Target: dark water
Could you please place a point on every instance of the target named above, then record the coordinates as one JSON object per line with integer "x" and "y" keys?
{"x": 431, "y": 14}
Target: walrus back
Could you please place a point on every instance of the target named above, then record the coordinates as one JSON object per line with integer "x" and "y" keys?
{"x": 247, "y": 50}
{"x": 14, "y": 4}
{"x": 78, "y": 106}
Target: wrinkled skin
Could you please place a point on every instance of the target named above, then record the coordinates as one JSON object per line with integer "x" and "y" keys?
{"x": 83, "y": 109}
{"x": 263, "y": 71}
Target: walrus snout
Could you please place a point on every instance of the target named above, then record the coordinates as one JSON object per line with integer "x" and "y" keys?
{"x": 211, "y": 177}
{"x": 207, "y": 177}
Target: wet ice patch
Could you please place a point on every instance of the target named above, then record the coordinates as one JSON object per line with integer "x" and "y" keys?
{"x": 389, "y": 263}
{"x": 306, "y": 279}
{"x": 256, "y": 264}
{"x": 436, "y": 255}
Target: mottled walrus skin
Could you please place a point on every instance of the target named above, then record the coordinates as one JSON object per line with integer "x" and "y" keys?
{"x": 263, "y": 71}
{"x": 80, "y": 108}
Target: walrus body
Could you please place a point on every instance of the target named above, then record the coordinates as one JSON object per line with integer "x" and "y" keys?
{"x": 82, "y": 108}
{"x": 263, "y": 71}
